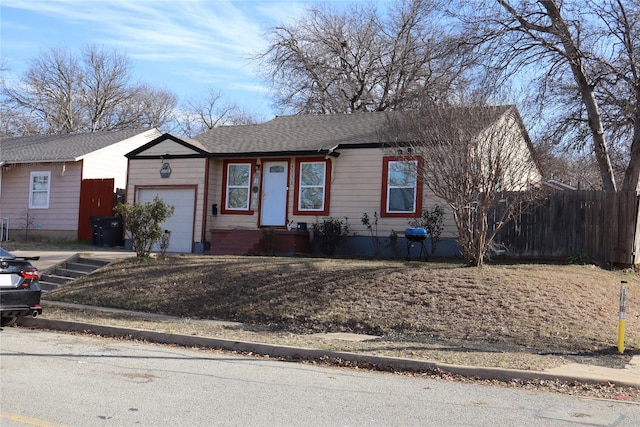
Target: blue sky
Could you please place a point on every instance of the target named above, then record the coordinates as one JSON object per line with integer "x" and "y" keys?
{"x": 186, "y": 46}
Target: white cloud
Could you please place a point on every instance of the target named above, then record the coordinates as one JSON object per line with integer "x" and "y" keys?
{"x": 183, "y": 45}
{"x": 194, "y": 31}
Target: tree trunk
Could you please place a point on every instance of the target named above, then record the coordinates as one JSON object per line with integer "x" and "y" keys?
{"x": 632, "y": 173}
{"x": 586, "y": 92}
{"x": 599, "y": 142}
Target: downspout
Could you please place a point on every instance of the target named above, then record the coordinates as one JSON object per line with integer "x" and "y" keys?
{"x": 205, "y": 207}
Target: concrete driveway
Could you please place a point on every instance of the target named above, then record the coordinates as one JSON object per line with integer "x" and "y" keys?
{"x": 49, "y": 258}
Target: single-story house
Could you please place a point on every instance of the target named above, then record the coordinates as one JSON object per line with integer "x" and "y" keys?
{"x": 50, "y": 185}
{"x": 250, "y": 188}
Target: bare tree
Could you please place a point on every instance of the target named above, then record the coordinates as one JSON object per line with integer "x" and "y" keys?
{"x": 11, "y": 121}
{"x": 363, "y": 60}
{"x": 49, "y": 92}
{"x": 205, "y": 113}
{"x": 151, "y": 106}
{"x": 66, "y": 93}
{"x": 619, "y": 88}
{"x": 584, "y": 57}
{"x": 577, "y": 169}
{"x": 478, "y": 161}
{"x": 104, "y": 85}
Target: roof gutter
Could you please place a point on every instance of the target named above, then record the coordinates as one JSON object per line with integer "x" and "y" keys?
{"x": 324, "y": 152}
{"x": 27, "y": 162}
{"x": 330, "y": 152}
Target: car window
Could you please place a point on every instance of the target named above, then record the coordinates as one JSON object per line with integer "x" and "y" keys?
{"x": 4, "y": 254}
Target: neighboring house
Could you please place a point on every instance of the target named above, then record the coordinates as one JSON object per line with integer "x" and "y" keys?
{"x": 50, "y": 185}
{"x": 237, "y": 189}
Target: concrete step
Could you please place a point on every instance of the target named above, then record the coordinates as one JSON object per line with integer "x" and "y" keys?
{"x": 76, "y": 266}
{"x": 81, "y": 266}
{"x": 49, "y": 286}
{"x": 66, "y": 272}
{"x": 93, "y": 262}
{"x": 54, "y": 279}
{"x": 69, "y": 271}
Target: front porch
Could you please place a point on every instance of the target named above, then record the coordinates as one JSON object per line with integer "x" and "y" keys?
{"x": 265, "y": 241}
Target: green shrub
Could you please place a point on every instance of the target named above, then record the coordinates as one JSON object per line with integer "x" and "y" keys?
{"x": 142, "y": 223}
{"x": 432, "y": 221}
{"x": 330, "y": 233}
{"x": 393, "y": 242}
{"x": 578, "y": 257}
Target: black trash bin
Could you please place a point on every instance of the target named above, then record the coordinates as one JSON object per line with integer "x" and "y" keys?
{"x": 111, "y": 231}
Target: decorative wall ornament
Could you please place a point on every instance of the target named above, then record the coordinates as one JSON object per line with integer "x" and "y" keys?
{"x": 165, "y": 171}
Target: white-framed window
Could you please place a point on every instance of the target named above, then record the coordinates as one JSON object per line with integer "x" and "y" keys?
{"x": 39, "y": 190}
{"x": 238, "y": 186}
{"x": 402, "y": 191}
{"x": 312, "y": 187}
{"x": 401, "y": 196}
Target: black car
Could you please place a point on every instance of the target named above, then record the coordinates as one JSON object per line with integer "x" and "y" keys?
{"x": 19, "y": 288}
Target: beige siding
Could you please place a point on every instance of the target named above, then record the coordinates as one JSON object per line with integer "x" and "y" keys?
{"x": 509, "y": 140}
{"x": 356, "y": 188}
{"x": 215, "y": 197}
{"x": 184, "y": 173}
{"x": 62, "y": 214}
{"x": 168, "y": 146}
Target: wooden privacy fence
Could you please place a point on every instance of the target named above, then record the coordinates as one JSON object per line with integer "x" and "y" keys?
{"x": 96, "y": 199}
{"x": 604, "y": 226}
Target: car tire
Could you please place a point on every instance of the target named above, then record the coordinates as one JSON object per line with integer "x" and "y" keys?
{"x": 7, "y": 321}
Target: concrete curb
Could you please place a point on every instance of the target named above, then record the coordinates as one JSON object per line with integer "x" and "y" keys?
{"x": 382, "y": 362}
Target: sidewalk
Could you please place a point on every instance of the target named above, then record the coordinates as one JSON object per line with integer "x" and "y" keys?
{"x": 627, "y": 376}
{"x": 50, "y": 258}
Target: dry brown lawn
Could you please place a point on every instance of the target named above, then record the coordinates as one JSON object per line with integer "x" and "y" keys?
{"x": 543, "y": 308}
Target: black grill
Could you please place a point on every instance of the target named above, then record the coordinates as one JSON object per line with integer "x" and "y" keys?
{"x": 415, "y": 236}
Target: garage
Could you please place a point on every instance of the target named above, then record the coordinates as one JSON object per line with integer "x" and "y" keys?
{"x": 181, "y": 223}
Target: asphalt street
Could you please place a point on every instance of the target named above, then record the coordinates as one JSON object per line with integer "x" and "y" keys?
{"x": 53, "y": 379}
{"x": 629, "y": 375}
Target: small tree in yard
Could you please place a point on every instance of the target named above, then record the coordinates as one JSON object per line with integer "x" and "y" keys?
{"x": 142, "y": 223}
{"x": 372, "y": 226}
{"x": 475, "y": 159}
{"x": 164, "y": 243}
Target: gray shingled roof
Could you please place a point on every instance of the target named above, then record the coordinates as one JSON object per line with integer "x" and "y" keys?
{"x": 314, "y": 132}
{"x": 58, "y": 148}
{"x": 298, "y": 133}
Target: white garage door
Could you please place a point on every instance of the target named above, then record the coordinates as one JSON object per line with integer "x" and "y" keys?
{"x": 181, "y": 223}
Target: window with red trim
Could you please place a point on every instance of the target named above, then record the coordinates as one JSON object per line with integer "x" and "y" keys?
{"x": 401, "y": 187}
{"x": 312, "y": 187}
{"x": 237, "y": 177}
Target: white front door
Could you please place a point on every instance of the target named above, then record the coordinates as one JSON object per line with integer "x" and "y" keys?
{"x": 274, "y": 193}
